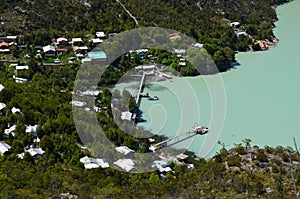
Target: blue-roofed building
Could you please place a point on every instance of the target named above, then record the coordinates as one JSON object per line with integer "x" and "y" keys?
{"x": 97, "y": 55}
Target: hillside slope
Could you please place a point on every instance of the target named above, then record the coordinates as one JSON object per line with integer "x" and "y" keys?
{"x": 190, "y": 16}
{"x": 207, "y": 21}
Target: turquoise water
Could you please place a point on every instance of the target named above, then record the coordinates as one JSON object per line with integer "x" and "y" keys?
{"x": 262, "y": 97}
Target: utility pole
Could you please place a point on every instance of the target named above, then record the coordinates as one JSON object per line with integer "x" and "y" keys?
{"x": 297, "y": 150}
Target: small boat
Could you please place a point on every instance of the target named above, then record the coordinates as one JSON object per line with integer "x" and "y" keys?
{"x": 153, "y": 98}
{"x": 159, "y": 79}
{"x": 201, "y": 130}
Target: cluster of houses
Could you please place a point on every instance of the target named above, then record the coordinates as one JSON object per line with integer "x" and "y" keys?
{"x": 6, "y": 42}
{"x": 92, "y": 163}
{"x": 3, "y": 105}
{"x": 239, "y": 31}
{"x": 62, "y": 46}
{"x": 128, "y": 164}
{"x": 80, "y": 48}
{"x": 33, "y": 149}
{"x": 84, "y": 105}
{"x": 181, "y": 53}
{"x": 18, "y": 68}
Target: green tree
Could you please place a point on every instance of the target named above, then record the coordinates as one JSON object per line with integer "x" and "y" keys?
{"x": 247, "y": 143}
{"x": 154, "y": 179}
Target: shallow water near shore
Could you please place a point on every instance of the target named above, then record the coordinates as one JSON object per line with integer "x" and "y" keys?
{"x": 262, "y": 97}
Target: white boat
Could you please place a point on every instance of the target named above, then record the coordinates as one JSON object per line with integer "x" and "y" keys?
{"x": 201, "y": 130}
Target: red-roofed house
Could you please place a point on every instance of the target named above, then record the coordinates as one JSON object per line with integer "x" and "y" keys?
{"x": 4, "y": 47}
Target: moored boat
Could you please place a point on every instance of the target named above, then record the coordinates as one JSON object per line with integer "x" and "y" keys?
{"x": 153, "y": 98}
{"x": 201, "y": 130}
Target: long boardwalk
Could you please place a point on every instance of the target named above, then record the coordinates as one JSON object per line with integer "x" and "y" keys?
{"x": 137, "y": 100}
{"x": 174, "y": 140}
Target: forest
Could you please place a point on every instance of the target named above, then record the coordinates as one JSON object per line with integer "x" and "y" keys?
{"x": 206, "y": 21}
{"x": 246, "y": 171}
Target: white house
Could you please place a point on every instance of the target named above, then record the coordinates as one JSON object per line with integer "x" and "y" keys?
{"x": 78, "y": 103}
{"x": 90, "y": 93}
{"x": 125, "y": 150}
{"x": 10, "y": 130}
{"x": 243, "y": 33}
{"x": 12, "y": 65}
{"x": 15, "y": 110}
{"x": 91, "y": 163}
{"x": 161, "y": 165}
{"x": 36, "y": 140}
{"x": 11, "y": 38}
{"x": 97, "y": 109}
{"x": 182, "y": 63}
{"x": 197, "y": 46}
{"x": 22, "y": 68}
{"x": 235, "y": 24}
{"x": 30, "y": 128}
{"x": 190, "y": 166}
{"x": 182, "y": 157}
{"x": 20, "y": 80}
{"x": 100, "y": 34}
{"x": 145, "y": 67}
{"x": 77, "y": 41}
{"x": 49, "y": 50}
{"x": 126, "y": 116}
{"x": 125, "y": 164}
{"x": 35, "y": 152}
{"x": 4, "y": 147}
{"x": 96, "y": 41}
{"x": 2, "y": 106}
{"x": 180, "y": 51}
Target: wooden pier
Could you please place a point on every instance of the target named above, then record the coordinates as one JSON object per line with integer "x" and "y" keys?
{"x": 179, "y": 138}
{"x": 137, "y": 100}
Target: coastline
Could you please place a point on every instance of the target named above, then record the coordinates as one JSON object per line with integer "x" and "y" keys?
{"x": 238, "y": 83}
{"x": 267, "y": 44}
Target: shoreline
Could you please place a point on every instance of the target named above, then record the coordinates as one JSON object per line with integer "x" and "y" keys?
{"x": 260, "y": 144}
{"x": 267, "y": 44}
